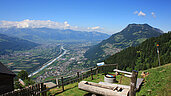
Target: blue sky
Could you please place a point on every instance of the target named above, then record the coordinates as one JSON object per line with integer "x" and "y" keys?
{"x": 111, "y": 15}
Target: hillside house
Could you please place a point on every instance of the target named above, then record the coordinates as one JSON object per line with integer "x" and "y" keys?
{"x": 6, "y": 79}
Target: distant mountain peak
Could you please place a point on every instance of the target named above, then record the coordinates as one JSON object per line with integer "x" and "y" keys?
{"x": 139, "y": 25}
{"x": 132, "y": 35}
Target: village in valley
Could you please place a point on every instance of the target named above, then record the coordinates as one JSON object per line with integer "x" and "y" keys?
{"x": 33, "y": 59}
{"x": 73, "y": 61}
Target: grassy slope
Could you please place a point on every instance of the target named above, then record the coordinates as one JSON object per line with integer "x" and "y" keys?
{"x": 159, "y": 81}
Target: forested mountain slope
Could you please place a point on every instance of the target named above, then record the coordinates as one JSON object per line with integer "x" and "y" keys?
{"x": 10, "y": 44}
{"x": 132, "y": 35}
{"x": 144, "y": 56}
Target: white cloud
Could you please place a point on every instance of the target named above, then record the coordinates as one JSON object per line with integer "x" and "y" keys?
{"x": 97, "y": 27}
{"x": 136, "y": 12}
{"x": 141, "y": 14}
{"x": 49, "y": 24}
{"x": 66, "y": 24}
{"x": 153, "y": 14}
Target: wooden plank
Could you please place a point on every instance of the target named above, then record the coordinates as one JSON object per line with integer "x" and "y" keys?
{"x": 125, "y": 72}
{"x": 49, "y": 84}
{"x": 132, "y": 91}
{"x": 115, "y": 85}
{"x": 100, "y": 89}
{"x": 128, "y": 76}
{"x": 139, "y": 82}
{"x": 109, "y": 65}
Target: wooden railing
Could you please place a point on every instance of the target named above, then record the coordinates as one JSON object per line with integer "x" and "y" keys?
{"x": 41, "y": 90}
{"x": 33, "y": 90}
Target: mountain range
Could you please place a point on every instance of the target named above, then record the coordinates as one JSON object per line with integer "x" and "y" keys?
{"x": 132, "y": 35}
{"x": 9, "y": 44}
{"x": 44, "y": 35}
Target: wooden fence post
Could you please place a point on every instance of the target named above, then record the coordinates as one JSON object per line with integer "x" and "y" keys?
{"x": 35, "y": 89}
{"x": 42, "y": 88}
{"x": 120, "y": 81}
{"x": 38, "y": 89}
{"x": 105, "y": 70}
{"x": 45, "y": 93}
{"x": 62, "y": 80}
{"x": 102, "y": 69}
{"x": 97, "y": 70}
{"x": 78, "y": 76}
{"x": 57, "y": 83}
{"x": 149, "y": 92}
{"x": 91, "y": 74}
{"x": 29, "y": 91}
{"x": 132, "y": 91}
{"x": 32, "y": 89}
{"x": 116, "y": 73}
{"x": 82, "y": 76}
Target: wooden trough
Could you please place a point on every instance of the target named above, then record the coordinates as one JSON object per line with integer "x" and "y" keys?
{"x": 109, "y": 89}
{"x": 138, "y": 81}
{"x": 102, "y": 89}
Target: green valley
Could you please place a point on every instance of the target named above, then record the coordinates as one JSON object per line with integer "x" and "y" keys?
{"x": 30, "y": 60}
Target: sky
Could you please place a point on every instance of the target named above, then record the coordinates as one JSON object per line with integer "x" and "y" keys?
{"x": 107, "y": 16}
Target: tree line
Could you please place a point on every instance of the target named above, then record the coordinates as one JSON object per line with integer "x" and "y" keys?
{"x": 144, "y": 56}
